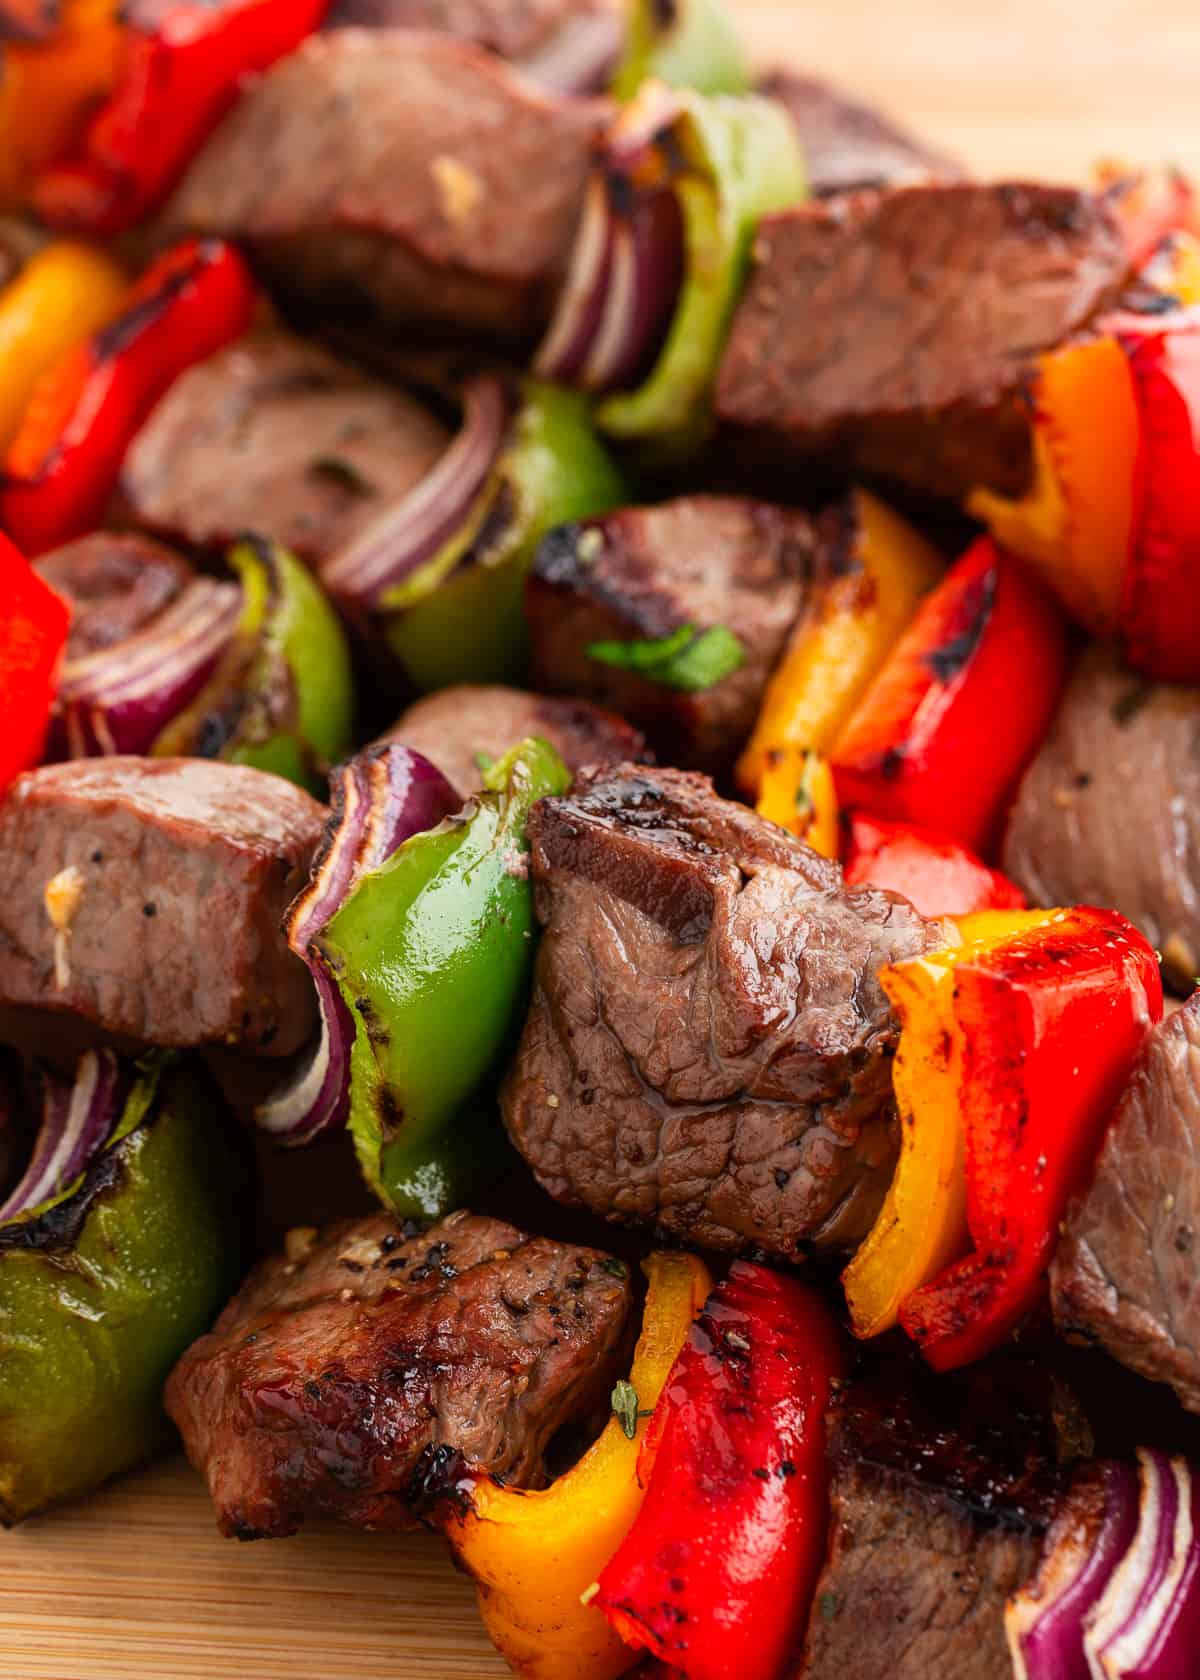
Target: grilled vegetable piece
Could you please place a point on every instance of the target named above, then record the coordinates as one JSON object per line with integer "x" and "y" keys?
{"x": 115, "y": 584}
{"x": 50, "y": 86}
{"x": 938, "y": 877}
{"x": 687, "y": 44}
{"x": 33, "y": 633}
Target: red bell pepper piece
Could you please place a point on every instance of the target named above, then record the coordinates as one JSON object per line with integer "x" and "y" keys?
{"x": 715, "y": 1576}
{"x": 63, "y": 464}
{"x": 1051, "y": 1021}
{"x": 33, "y": 632}
{"x": 961, "y": 704}
{"x": 182, "y": 71}
{"x": 938, "y": 877}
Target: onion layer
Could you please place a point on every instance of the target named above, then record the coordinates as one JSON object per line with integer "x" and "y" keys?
{"x": 77, "y": 1121}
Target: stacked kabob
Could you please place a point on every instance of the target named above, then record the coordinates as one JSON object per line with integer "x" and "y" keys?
{"x": 369, "y": 355}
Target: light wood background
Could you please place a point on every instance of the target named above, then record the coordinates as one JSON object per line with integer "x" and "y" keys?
{"x": 134, "y": 1584}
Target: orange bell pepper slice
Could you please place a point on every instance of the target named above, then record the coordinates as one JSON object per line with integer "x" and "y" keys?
{"x": 798, "y": 794}
{"x": 841, "y": 642}
{"x": 534, "y": 1555}
{"x": 48, "y": 89}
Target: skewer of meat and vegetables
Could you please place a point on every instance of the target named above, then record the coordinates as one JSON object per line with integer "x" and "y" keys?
{"x": 617, "y": 642}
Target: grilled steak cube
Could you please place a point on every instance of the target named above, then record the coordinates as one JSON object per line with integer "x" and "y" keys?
{"x": 848, "y": 145}
{"x": 451, "y": 197}
{"x": 1120, "y": 746}
{"x": 708, "y": 1048}
{"x": 276, "y": 436}
{"x": 363, "y": 1376}
{"x": 893, "y": 334}
{"x": 145, "y": 896}
{"x": 115, "y": 586}
{"x": 645, "y": 572}
{"x": 464, "y": 729}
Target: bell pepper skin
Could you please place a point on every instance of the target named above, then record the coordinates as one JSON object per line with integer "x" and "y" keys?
{"x": 938, "y": 877}
{"x": 433, "y": 953}
{"x": 33, "y": 633}
{"x": 1049, "y": 1023}
{"x": 101, "y": 1293}
{"x": 1151, "y": 205}
{"x": 691, "y": 44}
{"x": 50, "y": 87}
{"x": 838, "y": 646}
{"x": 62, "y": 466}
{"x": 798, "y": 794}
{"x": 714, "y": 1578}
{"x": 534, "y": 1555}
{"x": 962, "y": 703}
{"x": 176, "y": 83}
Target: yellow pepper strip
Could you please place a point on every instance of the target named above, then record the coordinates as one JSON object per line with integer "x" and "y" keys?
{"x": 798, "y": 793}
{"x": 922, "y": 1225}
{"x": 840, "y": 643}
{"x": 1175, "y": 270}
{"x": 49, "y": 88}
{"x": 1073, "y": 525}
{"x": 60, "y": 298}
{"x": 534, "y": 1554}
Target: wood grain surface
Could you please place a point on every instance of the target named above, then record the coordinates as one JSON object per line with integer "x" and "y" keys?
{"x": 135, "y": 1584}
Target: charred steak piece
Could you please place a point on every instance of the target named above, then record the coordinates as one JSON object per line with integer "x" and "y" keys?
{"x": 643, "y": 573}
{"x": 145, "y": 895}
{"x": 848, "y": 145}
{"x": 540, "y": 37}
{"x": 464, "y": 729}
{"x": 1109, "y": 810}
{"x": 451, "y": 197}
{"x": 892, "y": 334}
{"x": 708, "y": 1049}
{"x": 364, "y": 1375}
{"x": 1125, "y": 1274}
{"x": 942, "y": 1491}
{"x": 114, "y": 584}
{"x": 274, "y": 435}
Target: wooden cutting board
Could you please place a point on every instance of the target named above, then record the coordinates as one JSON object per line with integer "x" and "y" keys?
{"x": 135, "y": 1584}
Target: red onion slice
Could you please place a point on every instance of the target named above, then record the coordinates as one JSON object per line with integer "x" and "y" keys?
{"x": 581, "y": 56}
{"x": 77, "y": 1121}
{"x": 381, "y": 798}
{"x": 581, "y": 301}
{"x": 421, "y": 523}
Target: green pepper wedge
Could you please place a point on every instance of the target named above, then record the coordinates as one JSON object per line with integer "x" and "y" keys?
{"x": 104, "y": 1286}
{"x": 432, "y": 953}
{"x": 689, "y": 44}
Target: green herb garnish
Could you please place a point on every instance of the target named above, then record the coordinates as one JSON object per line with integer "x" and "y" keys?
{"x": 689, "y": 659}
{"x": 625, "y": 1407}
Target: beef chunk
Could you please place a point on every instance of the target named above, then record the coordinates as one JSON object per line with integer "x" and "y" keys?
{"x": 1120, "y": 746}
{"x": 115, "y": 586}
{"x": 145, "y": 896}
{"x": 644, "y": 572}
{"x": 848, "y": 145}
{"x": 1125, "y": 1274}
{"x": 274, "y": 435}
{"x": 364, "y": 1375}
{"x": 893, "y": 333}
{"x": 708, "y": 1049}
{"x": 451, "y": 197}
{"x": 463, "y": 729}
{"x": 942, "y": 1490}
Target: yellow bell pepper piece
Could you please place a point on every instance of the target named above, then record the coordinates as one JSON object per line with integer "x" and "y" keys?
{"x": 60, "y": 298}
{"x": 534, "y": 1554}
{"x": 922, "y": 1226}
{"x": 798, "y": 793}
{"x": 1176, "y": 269}
{"x": 838, "y": 645}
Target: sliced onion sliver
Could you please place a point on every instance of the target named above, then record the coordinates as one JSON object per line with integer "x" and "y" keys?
{"x": 381, "y": 798}
{"x": 77, "y": 1121}
{"x": 581, "y": 56}
{"x": 410, "y": 533}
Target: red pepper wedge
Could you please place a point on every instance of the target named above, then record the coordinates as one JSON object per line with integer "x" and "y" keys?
{"x": 1050, "y": 1021}
{"x": 63, "y": 465}
{"x": 33, "y": 632}
{"x": 181, "y": 73}
{"x": 938, "y": 876}
{"x": 716, "y": 1574}
{"x": 962, "y": 703}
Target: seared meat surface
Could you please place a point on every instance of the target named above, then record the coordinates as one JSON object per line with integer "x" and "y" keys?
{"x": 891, "y": 334}
{"x": 1124, "y": 1275}
{"x": 451, "y": 197}
{"x": 644, "y": 572}
{"x": 145, "y": 896}
{"x": 465, "y": 728}
{"x": 708, "y": 1049}
{"x": 115, "y": 585}
{"x": 276, "y": 436}
{"x": 848, "y": 145}
{"x": 1109, "y": 810}
{"x": 362, "y": 1377}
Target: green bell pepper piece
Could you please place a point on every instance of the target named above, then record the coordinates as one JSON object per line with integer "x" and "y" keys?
{"x": 103, "y": 1288}
{"x": 742, "y": 160}
{"x": 460, "y": 619}
{"x": 696, "y": 46}
{"x": 433, "y": 953}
